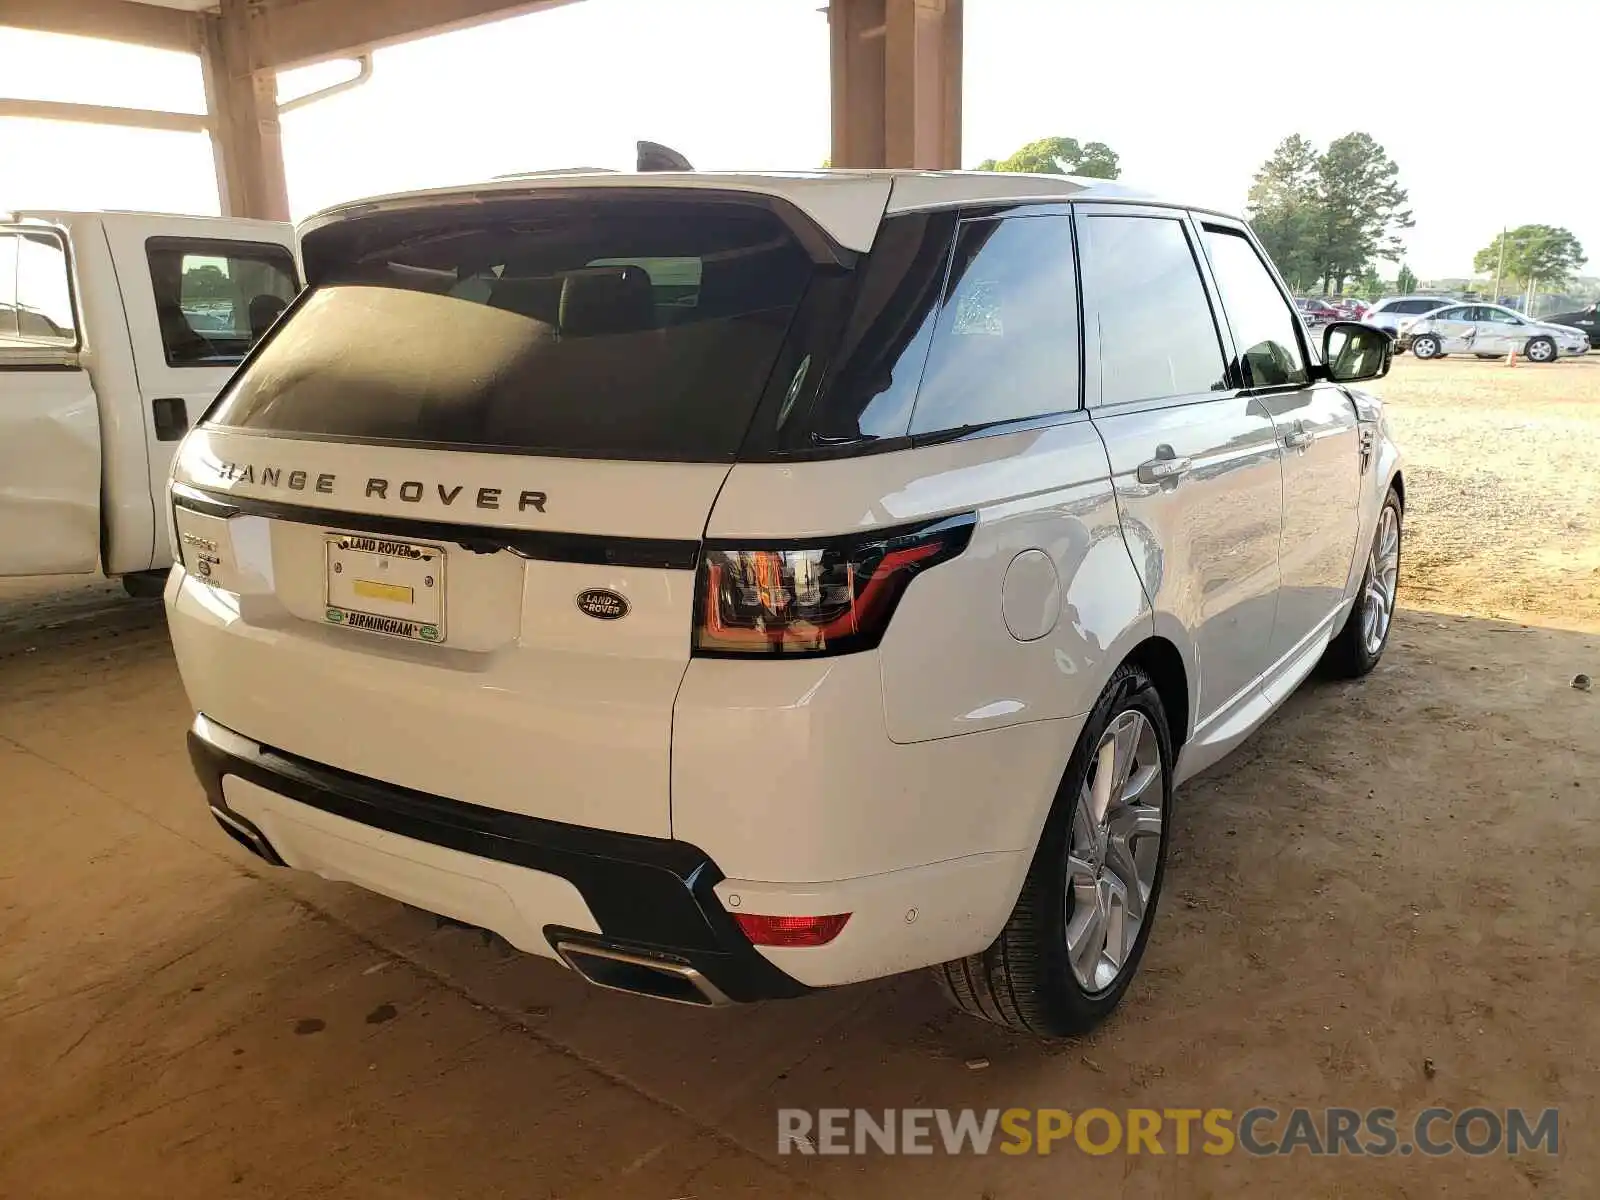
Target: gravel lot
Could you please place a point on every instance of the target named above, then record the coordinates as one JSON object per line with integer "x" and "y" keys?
{"x": 1504, "y": 487}
{"x": 1386, "y": 899}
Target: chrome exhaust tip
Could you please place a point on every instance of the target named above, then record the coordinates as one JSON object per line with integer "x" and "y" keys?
{"x": 246, "y": 834}
{"x": 641, "y": 975}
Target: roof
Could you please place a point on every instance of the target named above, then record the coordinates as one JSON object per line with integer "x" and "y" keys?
{"x": 61, "y": 216}
{"x": 848, "y": 204}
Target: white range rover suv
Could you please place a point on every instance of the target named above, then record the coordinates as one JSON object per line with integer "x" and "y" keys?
{"x": 733, "y": 585}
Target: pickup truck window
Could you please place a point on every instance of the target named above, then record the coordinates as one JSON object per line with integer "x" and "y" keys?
{"x": 35, "y": 292}
{"x": 214, "y": 299}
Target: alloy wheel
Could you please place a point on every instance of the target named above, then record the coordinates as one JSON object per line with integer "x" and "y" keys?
{"x": 1540, "y": 352}
{"x": 1383, "y": 581}
{"x": 1114, "y": 850}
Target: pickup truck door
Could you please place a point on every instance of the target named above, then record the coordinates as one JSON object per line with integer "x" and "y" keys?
{"x": 49, "y": 425}
{"x": 198, "y": 293}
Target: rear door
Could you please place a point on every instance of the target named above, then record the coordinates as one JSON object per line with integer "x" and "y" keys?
{"x": 49, "y": 428}
{"x": 198, "y": 294}
{"x": 443, "y": 530}
{"x": 1456, "y": 327}
{"x": 1499, "y": 331}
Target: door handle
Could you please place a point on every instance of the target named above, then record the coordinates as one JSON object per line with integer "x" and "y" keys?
{"x": 171, "y": 418}
{"x": 1165, "y": 467}
{"x": 1297, "y": 438}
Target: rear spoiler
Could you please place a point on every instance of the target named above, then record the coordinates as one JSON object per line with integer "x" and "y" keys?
{"x": 345, "y": 236}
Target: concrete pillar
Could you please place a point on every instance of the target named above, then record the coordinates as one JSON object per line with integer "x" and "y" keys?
{"x": 242, "y": 97}
{"x": 896, "y": 68}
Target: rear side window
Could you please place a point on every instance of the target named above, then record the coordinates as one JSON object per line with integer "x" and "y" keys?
{"x": 1146, "y": 307}
{"x": 215, "y": 299}
{"x": 878, "y": 358}
{"x": 620, "y": 327}
{"x": 35, "y": 291}
{"x": 1005, "y": 346}
{"x": 1263, "y": 323}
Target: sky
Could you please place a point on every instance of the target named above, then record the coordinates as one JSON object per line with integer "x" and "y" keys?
{"x": 1193, "y": 96}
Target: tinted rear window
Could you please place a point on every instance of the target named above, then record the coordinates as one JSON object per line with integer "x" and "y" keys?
{"x": 614, "y": 327}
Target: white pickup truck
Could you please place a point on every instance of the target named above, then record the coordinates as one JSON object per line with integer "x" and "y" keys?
{"x": 116, "y": 330}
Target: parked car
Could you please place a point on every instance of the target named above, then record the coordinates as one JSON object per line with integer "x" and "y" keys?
{"x": 1317, "y": 312}
{"x": 820, "y": 625}
{"x": 1490, "y": 331}
{"x": 1350, "y": 309}
{"x": 1586, "y": 320}
{"x": 1390, "y": 313}
{"x": 115, "y": 328}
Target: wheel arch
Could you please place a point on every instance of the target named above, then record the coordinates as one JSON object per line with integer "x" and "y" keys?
{"x": 1163, "y": 662}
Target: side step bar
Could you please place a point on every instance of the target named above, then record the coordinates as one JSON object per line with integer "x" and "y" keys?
{"x": 640, "y": 975}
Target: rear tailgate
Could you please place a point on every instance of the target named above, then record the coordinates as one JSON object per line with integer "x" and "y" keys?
{"x": 526, "y": 702}
{"x": 441, "y": 531}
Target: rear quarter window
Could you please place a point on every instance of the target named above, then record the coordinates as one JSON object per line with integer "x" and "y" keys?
{"x": 1006, "y": 344}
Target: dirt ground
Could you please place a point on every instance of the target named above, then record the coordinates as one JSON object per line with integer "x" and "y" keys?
{"x": 1387, "y": 898}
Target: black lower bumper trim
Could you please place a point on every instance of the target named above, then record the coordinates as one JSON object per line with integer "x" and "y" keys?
{"x": 651, "y": 896}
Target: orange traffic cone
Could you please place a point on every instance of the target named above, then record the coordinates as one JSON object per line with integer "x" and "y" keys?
{"x": 1512, "y": 361}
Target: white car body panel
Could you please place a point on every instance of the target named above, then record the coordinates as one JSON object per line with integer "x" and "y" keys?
{"x": 905, "y": 783}
{"x": 1041, "y": 487}
{"x": 84, "y": 474}
{"x": 515, "y": 903}
{"x": 1206, "y": 548}
{"x": 458, "y": 720}
{"x": 49, "y": 473}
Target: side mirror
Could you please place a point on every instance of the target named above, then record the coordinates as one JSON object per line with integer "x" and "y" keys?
{"x": 1352, "y": 352}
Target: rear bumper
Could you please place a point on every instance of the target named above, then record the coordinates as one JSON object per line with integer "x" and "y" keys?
{"x": 525, "y": 877}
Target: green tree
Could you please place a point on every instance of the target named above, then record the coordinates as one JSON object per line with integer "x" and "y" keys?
{"x": 1363, "y": 208}
{"x": 1325, "y": 217}
{"x": 205, "y": 282}
{"x": 1060, "y": 156}
{"x": 1284, "y": 212}
{"x": 1539, "y": 254}
{"x": 1407, "y": 282}
{"x": 1370, "y": 285}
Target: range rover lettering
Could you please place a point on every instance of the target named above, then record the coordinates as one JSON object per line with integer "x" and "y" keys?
{"x": 910, "y": 537}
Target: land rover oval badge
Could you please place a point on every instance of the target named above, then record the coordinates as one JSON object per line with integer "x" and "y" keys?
{"x": 603, "y": 604}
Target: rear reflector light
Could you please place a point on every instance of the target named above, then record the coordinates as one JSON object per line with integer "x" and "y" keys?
{"x": 833, "y": 596}
{"x": 791, "y": 931}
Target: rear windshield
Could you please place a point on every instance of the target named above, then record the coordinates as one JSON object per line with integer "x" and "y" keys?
{"x": 615, "y": 327}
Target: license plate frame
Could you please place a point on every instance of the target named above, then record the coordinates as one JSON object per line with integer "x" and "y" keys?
{"x": 392, "y": 587}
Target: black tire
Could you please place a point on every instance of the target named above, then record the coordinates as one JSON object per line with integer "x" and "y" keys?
{"x": 1349, "y": 656}
{"x": 1547, "y": 352}
{"x": 1024, "y": 980}
{"x": 145, "y": 585}
{"x": 1427, "y": 346}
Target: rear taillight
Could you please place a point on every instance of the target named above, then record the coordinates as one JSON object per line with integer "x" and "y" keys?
{"x": 831, "y": 596}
